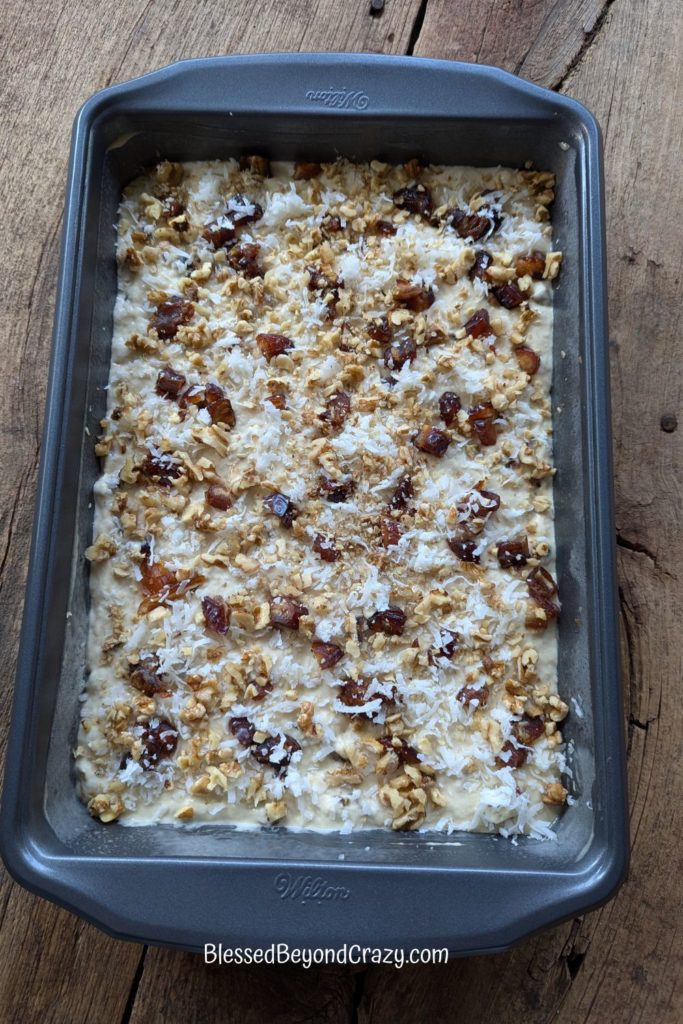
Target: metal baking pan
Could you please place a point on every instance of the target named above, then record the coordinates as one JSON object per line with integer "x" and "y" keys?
{"x": 186, "y": 886}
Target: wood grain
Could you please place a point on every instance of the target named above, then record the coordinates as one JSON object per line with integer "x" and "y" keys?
{"x": 174, "y": 985}
{"x": 52, "y": 61}
{"x": 621, "y": 963}
{"x": 537, "y": 39}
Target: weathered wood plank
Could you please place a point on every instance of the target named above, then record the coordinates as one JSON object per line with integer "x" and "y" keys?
{"x": 180, "y": 987}
{"x": 629, "y": 79}
{"x": 54, "y": 966}
{"x": 537, "y": 39}
{"x": 59, "y": 969}
{"x": 622, "y": 962}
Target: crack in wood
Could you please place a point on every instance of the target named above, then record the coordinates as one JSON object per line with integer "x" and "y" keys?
{"x": 571, "y": 956}
{"x": 416, "y": 29}
{"x": 641, "y": 549}
{"x": 588, "y": 41}
{"x": 635, "y": 546}
{"x": 637, "y": 724}
{"x": 357, "y": 995}
{"x": 625, "y": 611}
{"x": 10, "y": 529}
{"x": 135, "y": 985}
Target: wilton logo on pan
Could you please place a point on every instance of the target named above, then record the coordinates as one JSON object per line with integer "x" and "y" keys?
{"x": 307, "y": 889}
{"x": 339, "y": 98}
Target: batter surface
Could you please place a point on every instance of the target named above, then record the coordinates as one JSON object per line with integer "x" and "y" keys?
{"x": 322, "y": 570}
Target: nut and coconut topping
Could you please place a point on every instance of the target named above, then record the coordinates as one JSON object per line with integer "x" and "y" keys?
{"x": 322, "y": 580}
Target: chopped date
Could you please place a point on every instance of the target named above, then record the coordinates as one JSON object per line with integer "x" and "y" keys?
{"x": 286, "y": 612}
{"x": 335, "y": 491}
{"x": 404, "y": 752}
{"x": 481, "y": 418}
{"x": 283, "y": 507}
{"x": 160, "y": 469}
{"x": 156, "y": 577}
{"x": 528, "y": 729}
{"x": 170, "y": 315}
{"x": 331, "y": 225}
{"x": 337, "y": 409}
{"x": 259, "y": 165}
{"x": 483, "y": 503}
{"x": 170, "y": 383}
{"x": 413, "y": 296}
{"x": 327, "y": 654}
{"x": 353, "y": 693}
{"x": 511, "y": 756}
{"x": 513, "y": 553}
{"x": 478, "y": 325}
{"x": 542, "y": 590}
{"x": 304, "y": 171}
{"x": 218, "y": 406}
{"x": 380, "y": 330}
{"x": 245, "y": 260}
{"x": 278, "y": 398}
{"x": 528, "y": 360}
{"x": 531, "y": 264}
{"x": 449, "y": 407}
{"x": 161, "y": 584}
{"x": 468, "y": 694}
{"x": 195, "y": 395}
{"x": 475, "y": 508}
{"x": 272, "y": 345}
{"x": 385, "y": 228}
{"x": 432, "y": 441}
{"x": 241, "y": 210}
{"x": 448, "y": 642}
{"x": 145, "y": 676}
{"x": 416, "y": 199}
{"x": 220, "y": 237}
{"x": 159, "y": 742}
{"x": 541, "y": 584}
{"x": 259, "y": 691}
{"x": 508, "y": 295}
{"x": 320, "y": 281}
{"x": 326, "y": 548}
{"x": 218, "y": 496}
{"x": 404, "y": 491}
{"x": 470, "y": 225}
{"x": 434, "y": 336}
{"x": 173, "y": 207}
{"x": 176, "y": 591}
{"x": 390, "y": 531}
{"x": 400, "y": 352}
{"x": 464, "y": 549}
{"x": 390, "y": 621}
{"x": 263, "y": 752}
{"x": 216, "y": 613}
{"x": 482, "y": 262}
{"x": 243, "y": 730}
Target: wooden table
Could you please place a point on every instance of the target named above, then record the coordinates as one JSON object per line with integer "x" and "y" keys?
{"x": 620, "y": 57}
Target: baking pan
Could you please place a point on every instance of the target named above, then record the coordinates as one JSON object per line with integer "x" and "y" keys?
{"x": 186, "y": 886}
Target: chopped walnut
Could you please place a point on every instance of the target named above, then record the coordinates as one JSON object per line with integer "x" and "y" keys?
{"x": 106, "y": 806}
{"x": 103, "y": 548}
